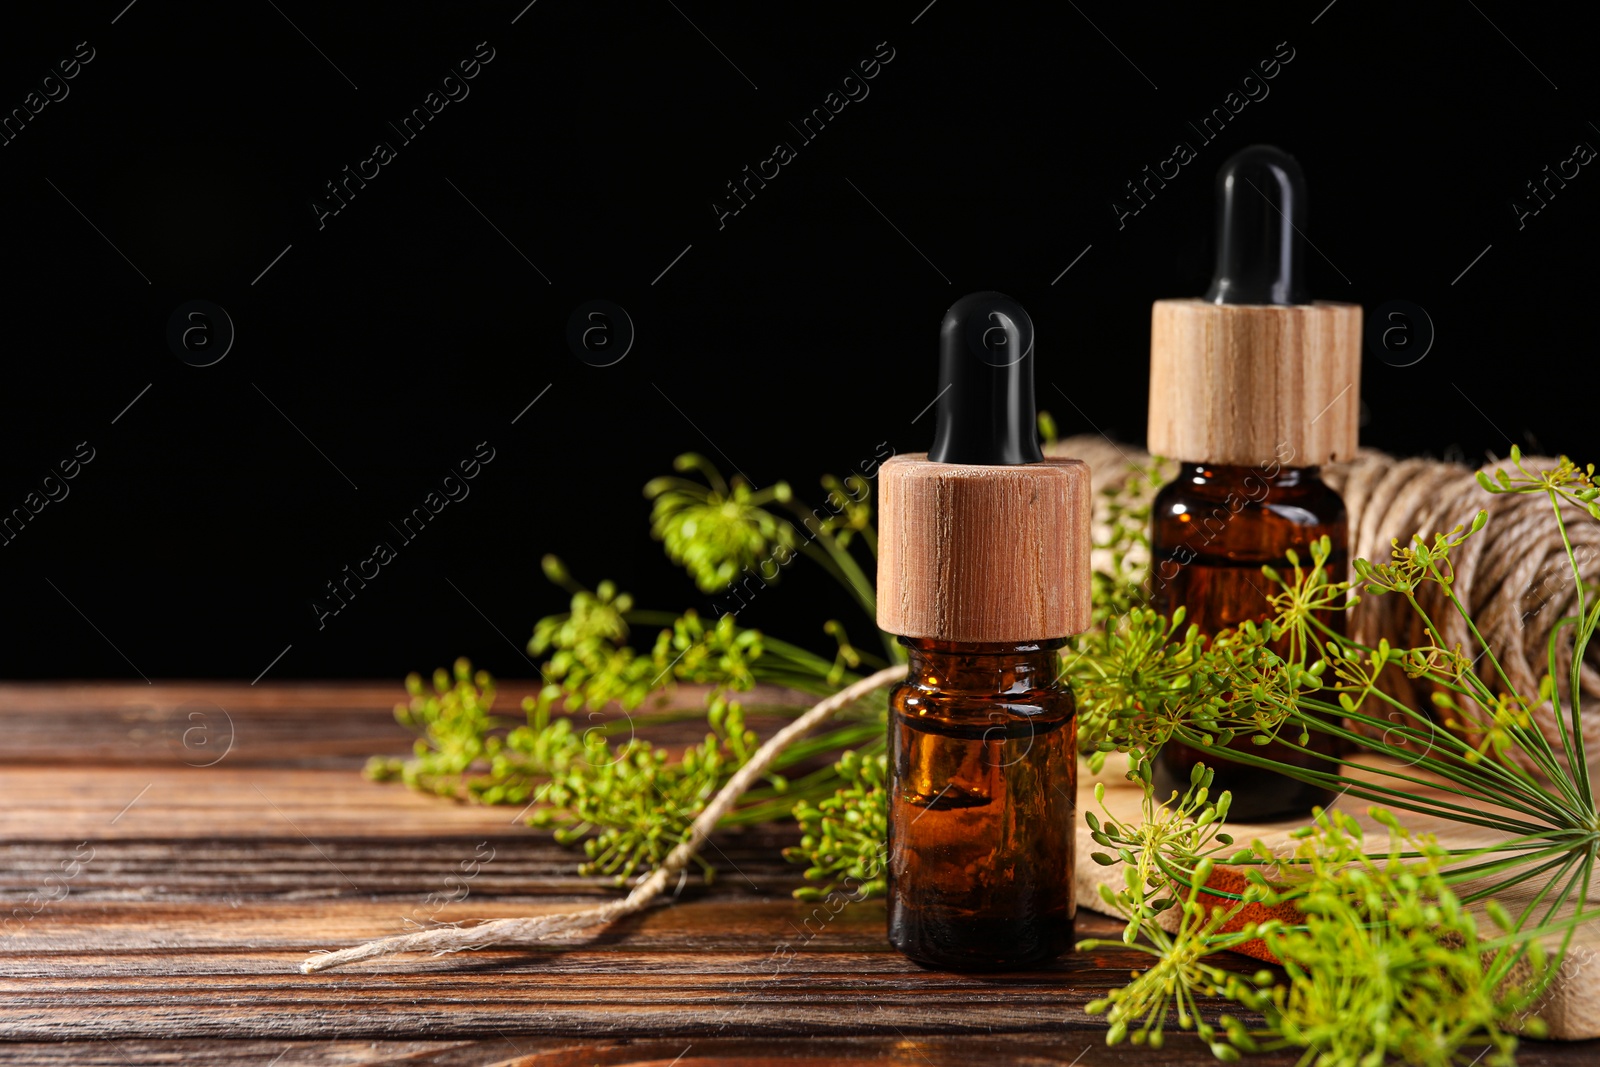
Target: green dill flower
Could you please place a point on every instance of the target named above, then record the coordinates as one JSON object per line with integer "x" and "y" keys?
{"x": 593, "y": 619}
{"x": 1389, "y": 964}
{"x": 1565, "y": 482}
{"x": 590, "y": 664}
{"x": 1120, "y": 555}
{"x": 627, "y": 800}
{"x": 845, "y": 836}
{"x": 458, "y": 735}
{"x": 716, "y": 531}
{"x": 1182, "y": 971}
{"x": 853, "y": 497}
{"x": 633, "y": 805}
{"x": 722, "y": 654}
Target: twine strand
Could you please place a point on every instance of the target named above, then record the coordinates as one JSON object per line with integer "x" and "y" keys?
{"x": 539, "y": 928}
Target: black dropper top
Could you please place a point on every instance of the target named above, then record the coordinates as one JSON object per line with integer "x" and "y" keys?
{"x": 1261, "y": 219}
{"x": 986, "y": 411}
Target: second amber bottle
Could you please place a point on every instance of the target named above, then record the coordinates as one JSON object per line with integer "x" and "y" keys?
{"x": 1252, "y": 389}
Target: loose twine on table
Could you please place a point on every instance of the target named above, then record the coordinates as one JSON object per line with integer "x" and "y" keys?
{"x": 540, "y": 928}
{"x": 1514, "y": 577}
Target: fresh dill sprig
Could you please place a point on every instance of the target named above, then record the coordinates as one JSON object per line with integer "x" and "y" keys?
{"x": 457, "y": 737}
{"x": 718, "y": 530}
{"x": 1389, "y": 963}
{"x": 1182, "y": 971}
{"x": 632, "y": 804}
{"x": 581, "y": 767}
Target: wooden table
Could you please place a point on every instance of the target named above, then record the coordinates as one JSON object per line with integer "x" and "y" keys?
{"x": 172, "y": 852}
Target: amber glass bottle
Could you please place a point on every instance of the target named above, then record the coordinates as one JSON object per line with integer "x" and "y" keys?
{"x": 1244, "y": 382}
{"x": 1212, "y": 529}
{"x": 982, "y": 748}
{"x": 983, "y": 572}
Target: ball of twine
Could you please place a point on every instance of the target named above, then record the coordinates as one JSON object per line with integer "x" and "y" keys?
{"x": 1514, "y": 577}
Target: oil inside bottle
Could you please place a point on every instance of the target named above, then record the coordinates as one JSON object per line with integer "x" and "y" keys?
{"x": 1213, "y": 527}
{"x": 984, "y": 775}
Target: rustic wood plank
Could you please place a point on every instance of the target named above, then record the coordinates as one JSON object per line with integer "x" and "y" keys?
{"x": 111, "y": 802}
{"x": 322, "y": 724}
{"x": 1031, "y": 1050}
{"x": 252, "y": 1053}
{"x": 700, "y": 968}
{"x": 506, "y": 862}
{"x": 177, "y": 937}
{"x": 1023, "y": 1050}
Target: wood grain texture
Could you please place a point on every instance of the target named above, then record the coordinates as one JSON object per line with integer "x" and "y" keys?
{"x": 1247, "y": 385}
{"x": 177, "y": 935}
{"x": 980, "y": 553}
{"x": 1065, "y": 1049}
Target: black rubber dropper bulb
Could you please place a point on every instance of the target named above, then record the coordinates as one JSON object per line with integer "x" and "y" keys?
{"x": 1261, "y": 217}
{"x": 986, "y": 407}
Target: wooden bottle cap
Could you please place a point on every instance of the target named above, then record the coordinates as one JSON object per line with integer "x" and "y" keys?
{"x": 981, "y": 553}
{"x": 1245, "y": 384}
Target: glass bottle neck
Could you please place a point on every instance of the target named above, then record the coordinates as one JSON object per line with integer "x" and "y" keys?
{"x": 1271, "y": 473}
{"x": 982, "y": 668}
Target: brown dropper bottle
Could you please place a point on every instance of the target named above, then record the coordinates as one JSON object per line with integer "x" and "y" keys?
{"x": 1252, "y": 390}
{"x": 983, "y": 572}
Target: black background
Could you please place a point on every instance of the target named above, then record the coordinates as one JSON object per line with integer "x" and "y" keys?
{"x": 788, "y": 343}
